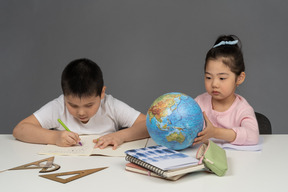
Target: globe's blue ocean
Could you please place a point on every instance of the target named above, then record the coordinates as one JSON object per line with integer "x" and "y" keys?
{"x": 174, "y": 120}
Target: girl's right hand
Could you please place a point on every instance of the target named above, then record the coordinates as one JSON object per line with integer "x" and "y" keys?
{"x": 207, "y": 133}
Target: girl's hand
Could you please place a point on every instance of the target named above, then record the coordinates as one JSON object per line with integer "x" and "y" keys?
{"x": 66, "y": 138}
{"x": 109, "y": 139}
{"x": 207, "y": 133}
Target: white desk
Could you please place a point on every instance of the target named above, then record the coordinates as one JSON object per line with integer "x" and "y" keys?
{"x": 248, "y": 171}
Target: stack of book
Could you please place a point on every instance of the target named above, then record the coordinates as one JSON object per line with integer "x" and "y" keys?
{"x": 159, "y": 161}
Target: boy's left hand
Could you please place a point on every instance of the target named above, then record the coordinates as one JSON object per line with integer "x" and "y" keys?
{"x": 109, "y": 139}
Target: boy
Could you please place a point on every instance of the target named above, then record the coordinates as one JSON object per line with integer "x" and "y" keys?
{"x": 85, "y": 109}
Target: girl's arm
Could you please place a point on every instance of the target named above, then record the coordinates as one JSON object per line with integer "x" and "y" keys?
{"x": 247, "y": 134}
{"x": 214, "y": 132}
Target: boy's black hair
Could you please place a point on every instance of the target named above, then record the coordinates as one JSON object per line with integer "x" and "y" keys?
{"x": 82, "y": 78}
{"x": 232, "y": 53}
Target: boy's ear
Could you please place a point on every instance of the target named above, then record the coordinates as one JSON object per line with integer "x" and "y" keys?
{"x": 241, "y": 78}
{"x": 103, "y": 92}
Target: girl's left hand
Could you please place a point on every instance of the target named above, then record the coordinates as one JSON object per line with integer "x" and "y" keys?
{"x": 109, "y": 139}
{"x": 207, "y": 133}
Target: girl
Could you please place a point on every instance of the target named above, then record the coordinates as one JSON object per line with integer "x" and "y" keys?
{"x": 228, "y": 116}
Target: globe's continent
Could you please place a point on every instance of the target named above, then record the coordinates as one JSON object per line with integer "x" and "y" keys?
{"x": 174, "y": 120}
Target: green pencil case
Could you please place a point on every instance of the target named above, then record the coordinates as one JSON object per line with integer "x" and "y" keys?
{"x": 213, "y": 157}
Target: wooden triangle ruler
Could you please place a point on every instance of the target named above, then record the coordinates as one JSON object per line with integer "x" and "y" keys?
{"x": 45, "y": 167}
{"x": 75, "y": 175}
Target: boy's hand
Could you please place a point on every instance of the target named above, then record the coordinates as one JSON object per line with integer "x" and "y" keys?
{"x": 207, "y": 133}
{"x": 109, "y": 139}
{"x": 67, "y": 139}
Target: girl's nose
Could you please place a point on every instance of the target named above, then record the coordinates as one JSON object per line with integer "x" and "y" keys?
{"x": 215, "y": 84}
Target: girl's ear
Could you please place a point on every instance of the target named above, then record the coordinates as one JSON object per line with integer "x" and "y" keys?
{"x": 240, "y": 78}
{"x": 103, "y": 92}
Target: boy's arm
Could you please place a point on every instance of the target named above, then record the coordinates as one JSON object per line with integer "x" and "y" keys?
{"x": 137, "y": 131}
{"x": 30, "y": 130}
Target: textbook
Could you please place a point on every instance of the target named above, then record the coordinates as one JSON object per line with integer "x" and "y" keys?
{"x": 164, "y": 162}
{"x": 87, "y": 148}
{"x": 137, "y": 169}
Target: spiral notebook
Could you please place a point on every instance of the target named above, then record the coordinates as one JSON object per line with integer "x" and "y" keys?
{"x": 163, "y": 161}
{"x": 137, "y": 169}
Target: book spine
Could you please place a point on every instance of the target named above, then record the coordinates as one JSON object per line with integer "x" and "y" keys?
{"x": 145, "y": 165}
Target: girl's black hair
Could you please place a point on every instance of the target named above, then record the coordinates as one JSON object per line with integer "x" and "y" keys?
{"x": 231, "y": 53}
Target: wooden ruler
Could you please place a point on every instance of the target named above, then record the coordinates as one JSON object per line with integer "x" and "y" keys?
{"x": 74, "y": 175}
{"x": 46, "y": 167}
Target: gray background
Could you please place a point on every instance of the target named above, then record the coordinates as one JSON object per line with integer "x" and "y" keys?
{"x": 145, "y": 49}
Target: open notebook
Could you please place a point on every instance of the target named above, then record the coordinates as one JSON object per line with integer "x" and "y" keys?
{"x": 87, "y": 148}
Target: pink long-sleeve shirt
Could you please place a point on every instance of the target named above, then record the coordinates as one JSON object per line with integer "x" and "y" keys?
{"x": 240, "y": 117}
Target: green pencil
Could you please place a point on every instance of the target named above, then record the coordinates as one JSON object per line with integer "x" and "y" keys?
{"x": 66, "y": 128}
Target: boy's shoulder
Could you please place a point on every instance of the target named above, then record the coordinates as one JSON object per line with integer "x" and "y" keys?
{"x": 60, "y": 99}
{"x": 116, "y": 106}
{"x": 54, "y": 106}
{"x": 111, "y": 102}
{"x": 58, "y": 102}
{"x": 108, "y": 100}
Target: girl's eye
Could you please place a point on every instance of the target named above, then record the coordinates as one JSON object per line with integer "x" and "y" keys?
{"x": 222, "y": 79}
{"x": 208, "y": 77}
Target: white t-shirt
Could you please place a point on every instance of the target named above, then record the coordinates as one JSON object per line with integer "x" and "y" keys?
{"x": 111, "y": 115}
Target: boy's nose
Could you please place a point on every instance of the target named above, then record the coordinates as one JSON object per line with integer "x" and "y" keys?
{"x": 81, "y": 112}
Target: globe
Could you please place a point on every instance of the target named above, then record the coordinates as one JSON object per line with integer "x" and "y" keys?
{"x": 174, "y": 120}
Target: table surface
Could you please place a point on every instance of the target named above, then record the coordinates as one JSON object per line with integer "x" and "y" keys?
{"x": 264, "y": 170}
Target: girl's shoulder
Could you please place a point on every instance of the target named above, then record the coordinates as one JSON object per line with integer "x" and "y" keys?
{"x": 242, "y": 105}
{"x": 240, "y": 100}
{"x": 203, "y": 97}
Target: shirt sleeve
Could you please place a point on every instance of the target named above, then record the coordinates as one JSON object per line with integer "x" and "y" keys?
{"x": 240, "y": 118}
{"x": 123, "y": 113}
{"x": 248, "y": 132}
{"x": 49, "y": 113}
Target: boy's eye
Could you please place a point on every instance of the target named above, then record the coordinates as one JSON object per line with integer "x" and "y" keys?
{"x": 89, "y": 105}
{"x": 222, "y": 78}
{"x": 73, "y": 106}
